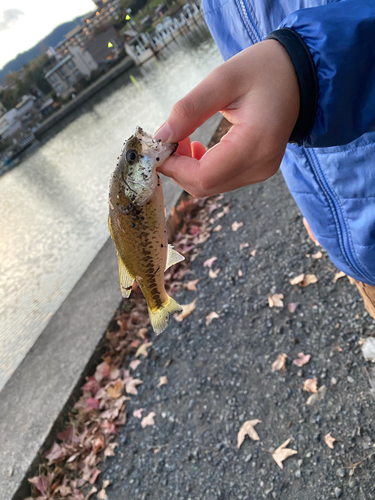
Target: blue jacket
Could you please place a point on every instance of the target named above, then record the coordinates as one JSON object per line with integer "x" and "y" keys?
{"x": 331, "y": 174}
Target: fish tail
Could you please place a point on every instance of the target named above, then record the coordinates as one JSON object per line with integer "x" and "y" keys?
{"x": 159, "y": 317}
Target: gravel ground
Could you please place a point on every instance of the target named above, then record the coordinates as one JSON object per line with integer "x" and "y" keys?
{"x": 220, "y": 375}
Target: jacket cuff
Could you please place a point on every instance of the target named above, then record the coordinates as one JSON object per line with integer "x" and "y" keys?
{"x": 307, "y": 80}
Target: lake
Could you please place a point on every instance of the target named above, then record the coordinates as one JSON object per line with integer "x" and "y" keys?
{"x": 54, "y": 206}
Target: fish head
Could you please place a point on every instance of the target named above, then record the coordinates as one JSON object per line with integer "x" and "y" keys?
{"x": 139, "y": 158}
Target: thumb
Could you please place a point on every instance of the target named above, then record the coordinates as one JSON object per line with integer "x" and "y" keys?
{"x": 210, "y": 96}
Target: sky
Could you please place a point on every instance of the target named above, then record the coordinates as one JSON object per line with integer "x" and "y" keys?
{"x": 24, "y": 22}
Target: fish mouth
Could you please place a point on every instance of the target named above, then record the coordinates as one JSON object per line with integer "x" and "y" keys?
{"x": 148, "y": 142}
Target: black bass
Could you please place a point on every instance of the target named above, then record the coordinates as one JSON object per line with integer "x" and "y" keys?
{"x": 137, "y": 224}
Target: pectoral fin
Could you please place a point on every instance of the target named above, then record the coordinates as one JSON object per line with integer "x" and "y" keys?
{"x": 173, "y": 257}
{"x": 126, "y": 280}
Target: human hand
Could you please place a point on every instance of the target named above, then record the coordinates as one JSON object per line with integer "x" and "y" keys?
{"x": 257, "y": 91}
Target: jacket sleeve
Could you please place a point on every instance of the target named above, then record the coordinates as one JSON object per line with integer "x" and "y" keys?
{"x": 340, "y": 38}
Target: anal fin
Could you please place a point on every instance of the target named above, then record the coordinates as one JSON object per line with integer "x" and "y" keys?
{"x": 126, "y": 280}
{"x": 173, "y": 257}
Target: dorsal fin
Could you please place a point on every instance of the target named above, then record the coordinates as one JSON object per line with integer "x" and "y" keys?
{"x": 173, "y": 257}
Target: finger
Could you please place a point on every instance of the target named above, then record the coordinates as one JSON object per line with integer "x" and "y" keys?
{"x": 197, "y": 150}
{"x": 218, "y": 90}
{"x": 184, "y": 148}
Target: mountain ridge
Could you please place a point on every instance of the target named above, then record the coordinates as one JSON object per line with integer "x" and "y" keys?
{"x": 51, "y": 40}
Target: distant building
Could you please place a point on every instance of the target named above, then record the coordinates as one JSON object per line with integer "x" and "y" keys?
{"x": 105, "y": 45}
{"x": 107, "y": 11}
{"x": 10, "y": 123}
{"x": 63, "y": 74}
{"x": 25, "y": 107}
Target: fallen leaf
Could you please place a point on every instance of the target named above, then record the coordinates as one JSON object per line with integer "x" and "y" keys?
{"x": 311, "y": 385}
{"x": 91, "y": 492}
{"x": 317, "y": 255}
{"x": 276, "y": 300}
{"x": 247, "y": 429}
{"x": 302, "y": 359}
{"x": 309, "y": 279}
{"x": 213, "y": 274}
{"x": 142, "y": 332}
{"x": 115, "y": 391}
{"x": 109, "y": 452}
{"x": 142, "y": 350}
{"x": 217, "y": 228}
{"x": 292, "y": 306}
{"x": 329, "y": 440}
{"x": 296, "y": 280}
{"x": 138, "y": 413}
{"x": 226, "y": 209}
{"x": 368, "y": 349}
{"x": 240, "y": 272}
{"x": 209, "y": 262}
{"x": 316, "y": 398}
{"x": 339, "y": 275}
{"x": 282, "y": 453}
{"x": 130, "y": 386}
{"x": 55, "y": 454}
{"x": 102, "y": 495}
{"x": 163, "y": 381}
{"x": 186, "y": 310}
{"x": 244, "y": 245}
{"x": 149, "y": 420}
{"x": 134, "y": 364}
{"x": 210, "y": 317}
{"x": 279, "y": 363}
{"x": 192, "y": 285}
{"x": 253, "y": 252}
{"x": 236, "y": 225}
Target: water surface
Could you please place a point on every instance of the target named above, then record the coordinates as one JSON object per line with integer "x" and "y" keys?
{"x": 53, "y": 206}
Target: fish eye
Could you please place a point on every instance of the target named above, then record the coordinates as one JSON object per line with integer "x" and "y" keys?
{"x": 131, "y": 155}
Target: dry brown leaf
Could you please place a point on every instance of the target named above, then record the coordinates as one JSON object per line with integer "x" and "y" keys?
{"x": 329, "y": 440}
{"x": 192, "y": 285}
{"x": 217, "y": 228}
{"x": 163, "y": 381}
{"x": 247, "y": 429}
{"x": 279, "y": 363}
{"x": 116, "y": 391}
{"x": 149, "y": 420}
{"x": 186, "y": 310}
{"x": 109, "y": 452}
{"x": 142, "y": 332}
{"x": 339, "y": 275}
{"x": 311, "y": 385}
{"x": 130, "y": 386}
{"x": 213, "y": 274}
{"x": 309, "y": 279}
{"x": 297, "y": 279}
{"x": 244, "y": 245}
{"x": 236, "y": 226}
{"x": 302, "y": 359}
{"x": 317, "y": 255}
{"x": 102, "y": 495}
{"x": 138, "y": 413}
{"x": 142, "y": 350}
{"x": 253, "y": 252}
{"x": 282, "y": 453}
{"x": 209, "y": 262}
{"x": 275, "y": 300}
{"x": 210, "y": 317}
{"x": 134, "y": 364}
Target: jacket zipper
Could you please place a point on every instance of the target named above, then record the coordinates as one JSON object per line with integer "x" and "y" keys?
{"x": 248, "y": 22}
{"x": 343, "y": 233}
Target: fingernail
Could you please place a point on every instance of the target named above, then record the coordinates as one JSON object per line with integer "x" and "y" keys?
{"x": 164, "y": 133}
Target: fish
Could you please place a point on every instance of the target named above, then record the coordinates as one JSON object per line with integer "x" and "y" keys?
{"x": 137, "y": 224}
